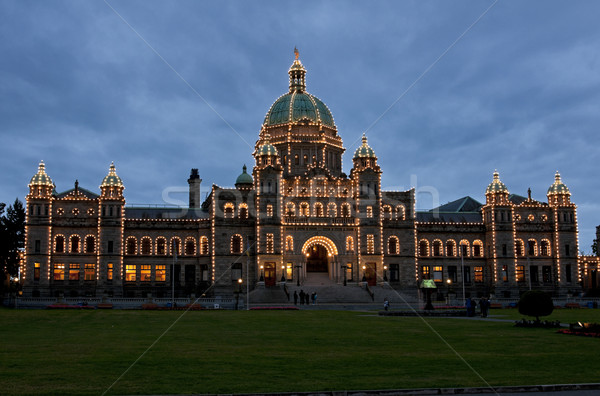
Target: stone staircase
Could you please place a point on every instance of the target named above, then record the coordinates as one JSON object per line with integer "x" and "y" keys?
{"x": 329, "y": 292}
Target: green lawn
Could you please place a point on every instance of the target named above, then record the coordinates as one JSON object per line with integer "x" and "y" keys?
{"x": 84, "y": 352}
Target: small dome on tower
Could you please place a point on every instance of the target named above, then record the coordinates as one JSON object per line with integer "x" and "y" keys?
{"x": 41, "y": 178}
{"x": 267, "y": 148}
{"x": 364, "y": 151}
{"x": 112, "y": 180}
{"x": 558, "y": 187}
{"x": 244, "y": 178}
{"x": 496, "y": 186}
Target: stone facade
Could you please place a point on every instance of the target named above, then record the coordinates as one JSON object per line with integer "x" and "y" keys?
{"x": 298, "y": 214}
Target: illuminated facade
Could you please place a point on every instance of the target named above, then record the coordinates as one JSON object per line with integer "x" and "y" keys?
{"x": 298, "y": 214}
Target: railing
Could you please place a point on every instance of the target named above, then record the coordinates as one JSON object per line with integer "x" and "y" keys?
{"x": 287, "y": 292}
{"x": 371, "y": 292}
{"x": 319, "y": 220}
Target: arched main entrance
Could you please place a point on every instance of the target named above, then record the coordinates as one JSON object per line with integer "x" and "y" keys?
{"x": 319, "y": 252}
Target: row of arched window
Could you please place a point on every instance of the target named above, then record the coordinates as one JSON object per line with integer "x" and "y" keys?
{"x": 162, "y": 247}
{"x": 74, "y": 244}
{"x": 318, "y": 209}
{"x": 229, "y": 211}
{"x": 439, "y": 248}
{"x": 533, "y": 248}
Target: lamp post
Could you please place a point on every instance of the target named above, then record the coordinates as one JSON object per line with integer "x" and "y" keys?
{"x": 364, "y": 278}
{"x": 385, "y": 278}
{"x": 344, "y": 268}
{"x": 462, "y": 265}
{"x": 237, "y": 293}
{"x": 449, "y": 283}
{"x": 262, "y": 273}
{"x": 283, "y": 273}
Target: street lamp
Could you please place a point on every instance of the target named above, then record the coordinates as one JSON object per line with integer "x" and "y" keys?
{"x": 262, "y": 273}
{"x": 283, "y": 273}
{"x": 385, "y": 273}
{"x": 237, "y": 293}
{"x": 364, "y": 278}
{"x": 449, "y": 283}
{"x": 344, "y": 268}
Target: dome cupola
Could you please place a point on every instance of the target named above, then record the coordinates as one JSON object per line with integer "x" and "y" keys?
{"x": 41, "y": 185}
{"x": 112, "y": 185}
{"x": 558, "y": 193}
{"x": 364, "y": 151}
{"x": 497, "y": 192}
{"x": 244, "y": 180}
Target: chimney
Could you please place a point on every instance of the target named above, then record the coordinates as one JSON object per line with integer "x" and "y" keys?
{"x": 194, "y": 182}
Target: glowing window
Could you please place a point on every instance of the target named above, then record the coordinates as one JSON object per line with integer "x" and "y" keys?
{"x": 318, "y": 211}
{"x": 349, "y": 244}
{"x": 36, "y": 271}
{"x": 437, "y": 273}
{"x": 204, "y": 246}
{"x": 370, "y": 244}
{"x": 109, "y": 272}
{"x": 90, "y": 272}
{"x": 369, "y": 211}
{"x": 270, "y": 210}
{"x": 145, "y": 273}
{"x": 270, "y": 243}
{"x": 160, "y": 273}
{"x": 289, "y": 243}
{"x": 59, "y": 272}
{"x": 478, "y": 274}
{"x": 73, "y": 272}
{"x": 130, "y": 273}
{"x": 520, "y": 273}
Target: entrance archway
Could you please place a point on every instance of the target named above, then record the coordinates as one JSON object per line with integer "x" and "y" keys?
{"x": 317, "y": 259}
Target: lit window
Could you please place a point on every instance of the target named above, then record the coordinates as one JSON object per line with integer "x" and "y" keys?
{"x": 59, "y": 272}
{"x": 369, "y": 211}
{"x": 269, "y": 210}
{"x": 73, "y": 272}
{"x": 36, "y": 271}
{"x": 90, "y": 272}
{"x": 425, "y": 271}
{"x": 145, "y": 273}
{"x": 478, "y": 277}
{"x": 270, "y": 243}
{"x": 109, "y": 272}
{"x": 304, "y": 211}
{"x": 519, "y": 248}
{"x": 289, "y": 243}
{"x": 504, "y": 273}
{"x": 370, "y": 244}
{"x": 349, "y": 244}
{"x": 159, "y": 273}
{"x": 318, "y": 209}
{"x": 130, "y": 273}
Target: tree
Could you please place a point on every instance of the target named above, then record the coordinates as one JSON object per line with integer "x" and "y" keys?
{"x": 595, "y": 247}
{"x": 12, "y": 241}
{"x": 535, "y": 303}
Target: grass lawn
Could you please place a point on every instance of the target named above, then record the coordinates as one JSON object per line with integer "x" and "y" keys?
{"x": 84, "y": 352}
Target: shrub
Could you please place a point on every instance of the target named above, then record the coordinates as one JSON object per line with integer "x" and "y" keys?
{"x": 535, "y": 303}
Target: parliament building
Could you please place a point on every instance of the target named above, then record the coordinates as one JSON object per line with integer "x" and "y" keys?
{"x": 294, "y": 216}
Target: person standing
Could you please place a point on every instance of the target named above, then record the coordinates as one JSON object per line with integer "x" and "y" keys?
{"x": 301, "y": 297}
{"x": 468, "y": 306}
{"x": 386, "y": 304}
{"x": 315, "y": 299}
{"x": 295, "y": 297}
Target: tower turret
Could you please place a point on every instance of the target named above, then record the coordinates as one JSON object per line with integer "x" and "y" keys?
{"x": 558, "y": 193}
{"x": 112, "y": 186}
{"x": 496, "y": 192}
{"x": 41, "y": 186}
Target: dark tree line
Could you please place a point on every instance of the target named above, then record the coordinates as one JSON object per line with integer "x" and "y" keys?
{"x": 12, "y": 241}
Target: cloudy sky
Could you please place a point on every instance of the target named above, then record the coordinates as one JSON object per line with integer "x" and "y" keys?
{"x": 446, "y": 91}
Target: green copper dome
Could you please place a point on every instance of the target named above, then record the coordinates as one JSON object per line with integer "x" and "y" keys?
{"x": 364, "y": 151}
{"x": 558, "y": 187}
{"x": 41, "y": 178}
{"x": 267, "y": 148}
{"x": 244, "y": 178}
{"x": 112, "y": 180}
{"x": 496, "y": 186}
{"x": 298, "y": 105}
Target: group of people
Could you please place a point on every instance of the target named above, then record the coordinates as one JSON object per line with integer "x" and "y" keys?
{"x": 305, "y": 298}
{"x": 484, "y": 306}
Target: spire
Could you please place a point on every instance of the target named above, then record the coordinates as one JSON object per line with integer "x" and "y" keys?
{"x": 297, "y": 74}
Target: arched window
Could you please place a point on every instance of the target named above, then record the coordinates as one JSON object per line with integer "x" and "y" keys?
{"x": 477, "y": 248}
{"x": 74, "y": 243}
{"x": 269, "y": 210}
{"x": 203, "y": 245}
{"x": 393, "y": 245}
{"x": 464, "y": 248}
{"x": 532, "y": 247}
{"x": 349, "y": 244}
{"x": 318, "y": 211}
{"x": 161, "y": 244}
{"x": 243, "y": 211}
{"x": 424, "y": 248}
{"x": 131, "y": 245}
{"x": 236, "y": 244}
{"x": 369, "y": 212}
{"x": 290, "y": 209}
{"x": 59, "y": 244}
{"x": 289, "y": 243}
{"x": 190, "y": 246}
{"x": 304, "y": 209}
{"x": 90, "y": 244}
{"x": 345, "y": 209}
{"x": 519, "y": 248}
{"x": 229, "y": 210}
{"x": 175, "y": 246}
{"x": 387, "y": 212}
{"x": 545, "y": 247}
{"x": 400, "y": 212}
{"x": 437, "y": 248}
{"x": 450, "y": 248}
{"x": 146, "y": 245}
{"x": 331, "y": 209}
